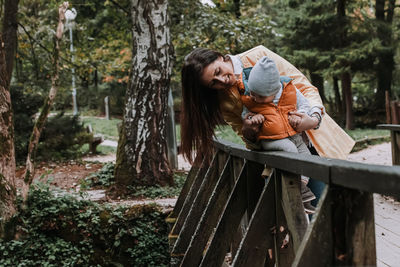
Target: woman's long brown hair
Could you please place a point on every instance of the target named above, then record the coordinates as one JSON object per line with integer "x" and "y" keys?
{"x": 200, "y": 112}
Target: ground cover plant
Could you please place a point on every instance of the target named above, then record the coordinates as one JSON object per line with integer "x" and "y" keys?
{"x": 60, "y": 230}
{"x": 104, "y": 178}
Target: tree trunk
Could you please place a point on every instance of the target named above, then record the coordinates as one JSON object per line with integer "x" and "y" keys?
{"x": 10, "y": 26}
{"x": 346, "y": 75}
{"x": 386, "y": 63}
{"x": 39, "y": 124}
{"x": 318, "y": 81}
{"x": 236, "y": 4}
{"x": 7, "y": 152}
{"x": 338, "y": 101}
{"x": 348, "y": 99}
{"x": 142, "y": 149}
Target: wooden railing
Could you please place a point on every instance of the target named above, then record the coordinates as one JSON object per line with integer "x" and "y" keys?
{"x": 226, "y": 208}
{"x": 394, "y": 139}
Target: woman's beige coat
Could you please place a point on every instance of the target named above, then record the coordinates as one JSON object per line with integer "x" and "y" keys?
{"x": 329, "y": 140}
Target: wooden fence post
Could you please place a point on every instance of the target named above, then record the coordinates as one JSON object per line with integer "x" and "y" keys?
{"x": 106, "y": 107}
{"x": 171, "y": 134}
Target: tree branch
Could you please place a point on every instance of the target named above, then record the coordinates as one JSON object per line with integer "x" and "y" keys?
{"x": 50, "y": 52}
{"x": 127, "y": 12}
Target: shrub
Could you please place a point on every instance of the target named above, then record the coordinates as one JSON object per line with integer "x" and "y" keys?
{"x": 62, "y": 137}
{"x": 25, "y": 105}
{"x": 63, "y": 231}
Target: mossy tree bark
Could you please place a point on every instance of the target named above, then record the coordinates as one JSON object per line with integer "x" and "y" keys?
{"x": 39, "y": 124}
{"x": 7, "y": 151}
{"x": 142, "y": 149}
{"x": 10, "y": 26}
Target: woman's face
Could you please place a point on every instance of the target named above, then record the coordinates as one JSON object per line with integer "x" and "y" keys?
{"x": 218, "y": 75}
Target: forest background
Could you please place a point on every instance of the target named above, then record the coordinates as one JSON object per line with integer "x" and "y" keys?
{"x": 350, "y": 53}
{"x": 348, "y": 49}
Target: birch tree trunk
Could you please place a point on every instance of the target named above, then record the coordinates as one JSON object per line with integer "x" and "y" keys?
{"x": 142, "y": 148}
{"x": 38, "y": 127}
{"x": 7, "y": 152}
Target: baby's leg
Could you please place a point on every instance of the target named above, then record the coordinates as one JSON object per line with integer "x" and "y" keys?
{"x": 302, "y": 149}
{"x": 299, "y": 143}
{"x": 279, "y": 145}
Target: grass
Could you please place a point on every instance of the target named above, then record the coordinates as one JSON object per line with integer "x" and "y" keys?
{"x": 103, "y": 150}
{"x": 107, "y": 128}
{"x": 223, "y": 132}
{"x": 359, "y": 134}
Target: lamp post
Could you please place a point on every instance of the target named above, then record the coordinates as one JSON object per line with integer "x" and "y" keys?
{"x": 70, "y": 15}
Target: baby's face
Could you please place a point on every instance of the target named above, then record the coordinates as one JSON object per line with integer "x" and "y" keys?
{"x": 261, "y": 99}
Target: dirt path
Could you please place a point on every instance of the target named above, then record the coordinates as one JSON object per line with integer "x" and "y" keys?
{"x": 376, "y": 154}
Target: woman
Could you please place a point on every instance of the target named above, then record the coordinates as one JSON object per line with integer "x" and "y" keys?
{"x": 211, "y": 88}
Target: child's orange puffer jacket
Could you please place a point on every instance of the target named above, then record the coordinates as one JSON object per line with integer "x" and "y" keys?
{"x": 276, "y": 124}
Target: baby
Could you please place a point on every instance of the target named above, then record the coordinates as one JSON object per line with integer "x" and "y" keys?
{"x": 271, "y": 98}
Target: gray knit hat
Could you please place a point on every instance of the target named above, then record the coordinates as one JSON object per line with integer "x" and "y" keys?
{"x": 264, "y": 78}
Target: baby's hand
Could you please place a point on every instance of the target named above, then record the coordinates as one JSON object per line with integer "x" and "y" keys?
{"x": 257, "y": 119}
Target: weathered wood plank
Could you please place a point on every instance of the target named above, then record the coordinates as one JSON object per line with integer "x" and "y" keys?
{"x": 194, "y": 170}
{"x": 293, "y": 207}
{"x": 354, "y": 227}
{"x": 365, "y": 177}
{"x": 392, "y": 127}
{"x": 395, "y": 142}
{"x": 241, "y": 229}
{"x": 316, "y": 248}
{"x": 209, "y": 218}
{"x": 198, "y": 206}
{"x": 194, "y": 189}
{"x": 237, "y": 164}
{"x": 304, "y": 164}
{"x": 254, "y": 247}
{"x": 228, "y": 223}
{"x": 255, "y": 185}
{"x": 284, "y": 254}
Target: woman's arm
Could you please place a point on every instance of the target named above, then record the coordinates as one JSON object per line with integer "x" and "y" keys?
{"x": 302, "y": 121}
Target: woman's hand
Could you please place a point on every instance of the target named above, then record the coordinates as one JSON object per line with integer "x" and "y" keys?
{"x": 302, "y": 121}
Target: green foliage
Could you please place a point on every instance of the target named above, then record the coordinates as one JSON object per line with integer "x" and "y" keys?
{"x": 194, "y": 25}
{"x": 62, "y": 137}
{"x": 314, "y": 37}
{"x": 25, "y": 104}
{"x": 104, "y": 177}
{"x": 102, "y": 52}
{"x": 358, "y": 134}
{"x": 63, "y": 231}
{"x": 154, "y": 192}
